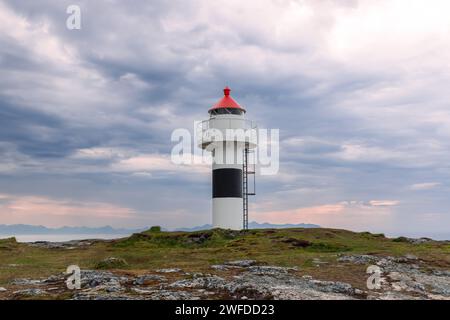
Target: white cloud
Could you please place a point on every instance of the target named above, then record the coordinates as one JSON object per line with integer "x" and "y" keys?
{"x": 425, "y": 186}
{"x": 384, "y": 203}
{"x": 100, "y": 153}
{"x": 158, "y": 163}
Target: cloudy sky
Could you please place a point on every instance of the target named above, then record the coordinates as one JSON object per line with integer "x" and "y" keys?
{"x": 359, "y": 91}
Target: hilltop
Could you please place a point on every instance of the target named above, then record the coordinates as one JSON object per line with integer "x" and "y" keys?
{"x": 253, "y": 225}
{"x": 303, "y": 263}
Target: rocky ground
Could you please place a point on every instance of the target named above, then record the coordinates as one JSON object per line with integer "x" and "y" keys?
{"x": 405, "y": 277}
{"x": 296, "y": 263}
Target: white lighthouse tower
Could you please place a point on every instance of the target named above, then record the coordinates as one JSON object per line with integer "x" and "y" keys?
{"x": 230, "y": 138}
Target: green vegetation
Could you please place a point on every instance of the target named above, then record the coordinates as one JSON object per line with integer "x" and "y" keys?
{"x": 8, "y": 244}
{"x": 196, "y": 251}
{"x": 401, "y": 239}
{"x": 155, "y": 229}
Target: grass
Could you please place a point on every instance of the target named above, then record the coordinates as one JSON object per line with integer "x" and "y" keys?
{"x": 196, "y": 251}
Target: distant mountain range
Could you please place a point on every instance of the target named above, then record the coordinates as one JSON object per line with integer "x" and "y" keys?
{"x": 254, "y": 225}
{"x": 25, "y": 229}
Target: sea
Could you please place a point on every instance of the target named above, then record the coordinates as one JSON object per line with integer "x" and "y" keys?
{"x": 62, "y": 237}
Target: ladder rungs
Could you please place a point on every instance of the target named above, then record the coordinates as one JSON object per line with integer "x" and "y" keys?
{"x": 245, "y": 190}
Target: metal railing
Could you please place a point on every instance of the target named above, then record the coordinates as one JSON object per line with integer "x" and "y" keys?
{"x": 205, "y": 135}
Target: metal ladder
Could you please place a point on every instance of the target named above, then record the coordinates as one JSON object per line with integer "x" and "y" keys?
{"x": 245, "y": 189}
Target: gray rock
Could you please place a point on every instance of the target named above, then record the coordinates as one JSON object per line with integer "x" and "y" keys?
{"x": 149, "y": 278}
{"x": 318, "y": 262}
{"x": 420, "y": 240}
{"x": 269, "y": 283}
{"x": 113, "y": 286}
{"x": 441, "y": 273}
{"x": 26, "y": 282}
{"x": 162, "y": 294}
{"x": 270, "y": 270}
{"x": 332, "y": 286}
{"x": 406, "y": 280}
{"x": 30, "y": 292}
{"x": 3, "y": 289}
{"x": 103, "y": 296}
{"x": 207, "y": 282}
{"x": 402, "y": 278}
{"x": 358, "y": 259}
{"x": 55, "y": 278}
{"x": 169, "y": 270}
{"x": 359, "y": 292}
{"x": 68, "y": 245}
{"x": 390, "y": 295}
{"x": 220, "y": 267}
{"x": 437, "y": 284}
{"x": 241, "y": 263}
{"x": 94, "y": 278}
{"x": 396, "y": 276}
{"x": 111, "y": 263}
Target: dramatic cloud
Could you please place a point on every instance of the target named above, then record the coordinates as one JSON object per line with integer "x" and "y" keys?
{"x": 358, "y": 90}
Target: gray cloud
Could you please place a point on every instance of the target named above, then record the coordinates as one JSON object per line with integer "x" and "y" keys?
{"x": 361, "y": 107}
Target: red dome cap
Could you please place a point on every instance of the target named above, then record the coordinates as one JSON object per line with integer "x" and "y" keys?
{"x": 226, "y": 102}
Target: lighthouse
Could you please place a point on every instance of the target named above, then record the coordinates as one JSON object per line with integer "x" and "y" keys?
{"x": 230, "y": 137}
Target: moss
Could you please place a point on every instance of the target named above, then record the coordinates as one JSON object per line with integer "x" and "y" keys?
{"x": 297, "y": 242}
{"x": 207, "y": 238}
{"x": 328, "y": 247}
{"x": 378, "y": 235}
{"x": 369, "y": 235}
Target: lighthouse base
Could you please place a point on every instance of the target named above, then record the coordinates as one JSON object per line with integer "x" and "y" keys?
{"x": 227, "y": 213}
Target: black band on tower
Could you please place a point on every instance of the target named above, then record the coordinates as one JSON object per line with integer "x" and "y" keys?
{"x": 227, "y": 183}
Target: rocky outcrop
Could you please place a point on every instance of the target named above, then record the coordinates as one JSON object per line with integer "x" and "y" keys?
{"x": 269, "y": 282}
{"x": 405, "y": 277}
{"x": 68, "y": 245}
{"x": 358, "y": 259}
{"x": 149, "y": 279}
{"x": 30, "y": 292}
